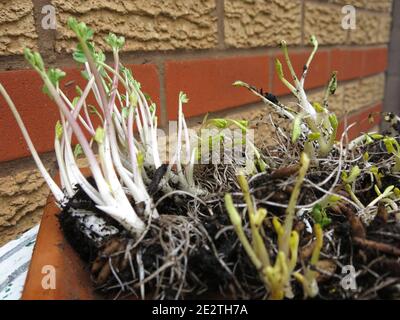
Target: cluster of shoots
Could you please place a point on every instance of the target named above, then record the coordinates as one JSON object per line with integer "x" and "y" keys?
{"x": 236, "y": 139}
{"x": 119, "y": 160}
{"x": 312, "y": 122}
{"x": 122, "y": 162}
{"x": 276, "y": 276}
{"x": 390, "y": 193}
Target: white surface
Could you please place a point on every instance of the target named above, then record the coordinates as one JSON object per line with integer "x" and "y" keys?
{"x": 14, "y": 263}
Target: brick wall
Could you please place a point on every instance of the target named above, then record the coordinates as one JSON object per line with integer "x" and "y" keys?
{"x": 198, "y": 46}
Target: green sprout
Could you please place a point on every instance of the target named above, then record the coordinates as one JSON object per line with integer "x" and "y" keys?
{"x": 54, "y": 75}
{"x": 350, "y": 179}
{"x": 221, "y": 124}
{"x": 275, "y": 276}
{"x": 374, "y": 170}
{"x": 320, "y": 216}
{"x": 381, "y": 195}
{"x": 312, "y": 122}
{"x": 115, "y": 42}
{"x": 309, "y": 279}
{"x": 393, "y": 147}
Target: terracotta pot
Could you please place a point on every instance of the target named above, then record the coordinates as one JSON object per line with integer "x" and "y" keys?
{"x": 72, "y": 277}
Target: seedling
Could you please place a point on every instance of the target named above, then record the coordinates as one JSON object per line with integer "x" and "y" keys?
{"x": 320, "y": 216}
{"x": 275, "y": 276}
{"x": 313, "y": 122}
{"x": 393, "y": 147}
{"x": 120, "y": 171}
{"x": 350, "y": 182}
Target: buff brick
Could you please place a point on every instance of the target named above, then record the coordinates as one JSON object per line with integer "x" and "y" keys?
{"x": 17, "y": 27}
{"x": 256, "y": 23}
{"x": 365, "y": 92}
{"x": 325, "y": 22}
{"x": 208, "y": 83}
{"x": 381, "y": 5}
{"x": 23, "y": 194}
{"x": 146, "y": 24}
{"x": 371, "y": 28}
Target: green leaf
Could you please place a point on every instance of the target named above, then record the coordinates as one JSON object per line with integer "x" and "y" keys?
{"x": 35, "y": 59}
{"x": 99, "y": 56}
{"x": 99, "y": 135}
{"x": 334, "y": 198}
{"x": 79, "y": 91}
{"x": 317, "y": 213}
{"x": 368, "y": 139}
{"x": 262, "y": 166}
{"x": 317, "y": 106}
{"x": 325, "y": 222}
{"x": 278, "y": 68}
{"x": 314, "y": 136}
{"x": 234, "y": 216}
{"x": 320, "y": 216}
{"x": 54, "y": 75}
{"x": 388, "y": 190}
{"x": 378, "y": 192}
{"x": 390, "y": 144}
{"x": 59, "y": 130}
{"x": 148, "y": 97}
{"x": 219, "y": 123}
{"x": 354, "y": 173}
{"x": 92, "y": 109}
{"x": 376, "y": 136}
{"x": 239, "y": 84}
{"x": 78, "y": 55}
{"x": 115, "y": 42}
{"x": 374, "y": 170}
{"x": 133, "y": 99}
{"x": 244, "y": 123}
{"x": 82, "y": 31}
{"x": 75, "y": 101}
{"x": 140, "y": 158}
{"x": 128, "y": 74}
{"x": 183, "y": 97}
{"x": 296, "y": 130}
{"x": 152, "y": 107}
{"x": 333, "y": 121}
{"x": 85, "y": 74}
{"x": 125, "y": 112}
{"x": 78, "y": 151}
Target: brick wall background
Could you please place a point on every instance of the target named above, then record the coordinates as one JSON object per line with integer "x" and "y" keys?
{"x": 198, "y": 46}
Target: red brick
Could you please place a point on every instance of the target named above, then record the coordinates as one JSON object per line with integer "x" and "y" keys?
{"x": 208, "y": 83}
{"x": 318, "y": 74}
{"x": 374, "y": 61}
{"x": 362, "y": 121}
{"x": 40, "y": 114}
{"x": 348, "y": 63}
